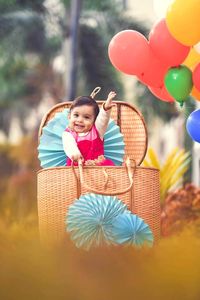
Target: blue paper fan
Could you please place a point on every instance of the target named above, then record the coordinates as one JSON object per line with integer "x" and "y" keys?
{"x": 90, "y": 218}
{"x": 131, "y": 230}
{"x": 50, "y": 149}
{"x": 51, "y": 153}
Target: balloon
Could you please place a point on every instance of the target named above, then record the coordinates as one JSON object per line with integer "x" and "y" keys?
{"x": 195, "y": 94}
{"x": 160, "y": 7}
{"x": 161, "y": 93}
{"x": 196, "y": 77}
{"x": 178, "y": 82}
{"x": 128, "y": 51}
{"x": 165, "y": 46}
{"x": 192, "y": 59}
{"x": 197, "y": 48}
{"x": 183, "y": 21}
{"x": 154, "y": 72}
{"x": 193, "y": 125}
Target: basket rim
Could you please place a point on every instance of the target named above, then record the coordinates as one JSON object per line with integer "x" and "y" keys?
{"x": 118, "y": 102}
{"x": 91, "y": 167}
{"x": 45, "y": 117}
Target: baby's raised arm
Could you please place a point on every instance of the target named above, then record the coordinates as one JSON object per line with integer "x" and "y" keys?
{"x": 104, "y": 115}
{"x": 108, "y": 103}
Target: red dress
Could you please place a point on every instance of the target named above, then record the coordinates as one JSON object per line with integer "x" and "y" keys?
{"x": 91, "y": 147}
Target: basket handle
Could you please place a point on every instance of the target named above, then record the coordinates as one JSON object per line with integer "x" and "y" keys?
{"x": 117, "y": 192}
{"x": 95, "y": 91}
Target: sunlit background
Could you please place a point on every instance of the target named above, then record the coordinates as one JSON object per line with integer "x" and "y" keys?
{"x": 41, "y": 65}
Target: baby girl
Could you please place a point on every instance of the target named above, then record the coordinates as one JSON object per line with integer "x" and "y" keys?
{"x": 83, "y": 138}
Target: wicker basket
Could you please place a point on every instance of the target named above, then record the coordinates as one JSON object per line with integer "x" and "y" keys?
{"x": 136, "y": 186}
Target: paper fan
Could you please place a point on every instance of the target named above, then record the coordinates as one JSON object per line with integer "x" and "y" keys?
{"x": 131, "y": 230}
{"x": 90, "y": 218}
{"x": 51, "y": 153}
{"x": 114, "y": 143}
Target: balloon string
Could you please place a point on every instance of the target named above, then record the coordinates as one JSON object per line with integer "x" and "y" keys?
{"x": 181, "y": 102}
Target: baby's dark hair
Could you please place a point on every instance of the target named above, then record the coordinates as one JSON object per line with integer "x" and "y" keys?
{"x": 85, "y": 100}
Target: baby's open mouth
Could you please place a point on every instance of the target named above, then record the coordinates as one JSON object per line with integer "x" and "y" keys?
{"x": 79, "y": 126}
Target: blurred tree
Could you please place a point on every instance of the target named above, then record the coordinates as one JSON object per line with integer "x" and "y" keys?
{"x": 73, "y": 57}
{"x": 28, "y": 47}
{"x": 152, "y": 106}
{"x": 98, "y": 21}
{"x": 189, "y": 106}
{"x": 26, "y": 51}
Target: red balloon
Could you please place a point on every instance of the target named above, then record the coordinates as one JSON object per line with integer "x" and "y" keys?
{"x": 196, "y": 77}
{"x": 165, "y": 46}
{"x": 161, "y": 93}
{"x": 129, "y": 52}
{"x": 154, "y": 72}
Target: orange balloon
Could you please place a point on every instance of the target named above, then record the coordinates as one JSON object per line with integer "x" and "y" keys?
{"x": 192, "y": 59}
{"x": 196, "y": 77}
{"x": 195, "y": 93}
{"x": 183, "y": 21}
{"x": 154, "y": 72}
{"x": 161, "y": 93}
{"x": 167, "y": 49}
{"x": 129, "y": 51}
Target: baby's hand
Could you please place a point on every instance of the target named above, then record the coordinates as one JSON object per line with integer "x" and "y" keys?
{"x": 108, "y": 104}
{"x": 76, "y": 157}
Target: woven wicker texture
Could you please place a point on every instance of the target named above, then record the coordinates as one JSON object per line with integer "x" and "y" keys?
{"x": 131, "y": 124}
{"x": 58, "y": 187}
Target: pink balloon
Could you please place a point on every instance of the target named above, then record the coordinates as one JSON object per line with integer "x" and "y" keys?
{"x": 129, "y": 52}
{"x": 161, "y": 93}
{"x": 196, "y": 77}
{"x": 154, "y": 72}
{"x": 165, "y": 46}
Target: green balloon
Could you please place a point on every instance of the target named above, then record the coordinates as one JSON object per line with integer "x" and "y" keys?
{"x": 178, "y": 82}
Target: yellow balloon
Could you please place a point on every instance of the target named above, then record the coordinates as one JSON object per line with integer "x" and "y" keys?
{"x": 197, "y": 47}
{"x": 192, "y": 59}
{"x": 195, "y": 93}
{"x": 183, "y": 21}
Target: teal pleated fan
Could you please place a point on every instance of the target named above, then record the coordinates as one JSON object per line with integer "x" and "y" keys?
{"x": 89, "y": 219}
{"x": 129, "y": 229}
{"x": 50, "y": 149}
